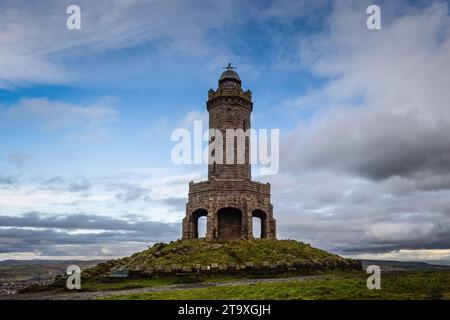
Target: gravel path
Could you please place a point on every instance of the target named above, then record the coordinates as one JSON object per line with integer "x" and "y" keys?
{"x": 90, "y": 295}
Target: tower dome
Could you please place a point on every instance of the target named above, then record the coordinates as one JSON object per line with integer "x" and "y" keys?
{"x": 229, "y": 74}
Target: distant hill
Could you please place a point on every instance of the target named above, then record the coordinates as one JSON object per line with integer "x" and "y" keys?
{"x": 402, "y": 265}
{"x": 25, "y": 270}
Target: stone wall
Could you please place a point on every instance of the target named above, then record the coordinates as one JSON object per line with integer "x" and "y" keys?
{"x": 249, "y": 268}
{"x": 213, "y": 196}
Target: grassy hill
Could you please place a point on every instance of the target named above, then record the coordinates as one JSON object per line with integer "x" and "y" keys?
{"x": 200, "y": 251}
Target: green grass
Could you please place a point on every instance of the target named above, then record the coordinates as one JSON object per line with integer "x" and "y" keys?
{"x": 100, "y": 284}
{"x": 199, "y": 251}
{"x": 96, "y": 285}
{"x": 404, "y": 285}
{"x": 103, "y": 284}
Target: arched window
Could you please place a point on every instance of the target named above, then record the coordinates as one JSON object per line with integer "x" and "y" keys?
{"x": 256, "y": 227}
{"x": 259, "y": 224}
{"x": 201, "y": 227}
{"x": 198, "y": 223}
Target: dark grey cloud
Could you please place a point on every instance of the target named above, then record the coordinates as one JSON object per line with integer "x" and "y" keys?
{"x": 54, "y": 181}
{"x": 7, "y": 180}
{"x": 82, "y": 221}
{"x": 71, "y": 185}
{"x": 176, "y": 203}
{"x": 348, "y": 215}
{"x": 37, "y": 231}
{"x": 374, "y": 145}
{"x": 80, "y": 185}
{"x": 132, "y": 192}
{"x": 384, "y": 112}
{"x": 357, "y": 236}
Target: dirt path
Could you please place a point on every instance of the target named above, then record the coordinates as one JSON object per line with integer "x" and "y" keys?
{"x": 90, "y": 295}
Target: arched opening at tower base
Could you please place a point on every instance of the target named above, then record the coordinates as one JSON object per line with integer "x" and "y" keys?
{"x": 259, "y": 216}
{"x": 196, "y": 229}
{"x": 201, "y": 227}
{"x": 229, "y": 223}
{"x": 256, "y": 223}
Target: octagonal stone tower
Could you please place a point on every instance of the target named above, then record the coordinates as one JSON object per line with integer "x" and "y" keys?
{"x": 229, "y": 198}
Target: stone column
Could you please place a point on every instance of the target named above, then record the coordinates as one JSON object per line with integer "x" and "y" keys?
{"x": 250, "y": 225}
{"x": 245, "y": 223}
{"x": 186, "y": 228}
{"x": 209, "y": 226}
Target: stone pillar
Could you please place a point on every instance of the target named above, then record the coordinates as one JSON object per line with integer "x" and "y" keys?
{"x": 245, "y": 224}
{"x": 186, "y": 227}
{"x": 250, "y": 225}
{"x": 209, "y": 226}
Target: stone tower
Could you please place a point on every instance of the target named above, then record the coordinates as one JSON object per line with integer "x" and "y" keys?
{"x": 229, "y": 198}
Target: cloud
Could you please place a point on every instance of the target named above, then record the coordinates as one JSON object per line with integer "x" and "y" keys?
{"x": 132, "y": 192}
{"x": 101, "y": 251}
{"x": 386, "y": 109}
{"x": 55, "y": 115}
{"x": 68, "y": 234}
{"x": 176, "y": 203}
{"x": 22, "y": 196}
{"x": 7, "y": 180}
{"x": 53, "y": 182}
{"x": 188, "y": 120}
{"x": 80, "y": 185}
{"x": 434, "y": 256}
{"x": 58, "y": 183}
{"x": 369, "y": 172}
{"x": 162, "y": 32}
{"x": 19, "y": 159}
{"x": 80, "y": 221}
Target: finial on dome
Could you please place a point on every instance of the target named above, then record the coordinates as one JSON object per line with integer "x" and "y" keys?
{"x": 229, "y": 67}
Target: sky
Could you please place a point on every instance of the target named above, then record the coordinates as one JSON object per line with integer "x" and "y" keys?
{"x": 86, "y": 118}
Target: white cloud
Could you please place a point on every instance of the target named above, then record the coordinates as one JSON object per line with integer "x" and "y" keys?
{"x": 38, "y": 48}
{"x": 58, "y": 115}
{"x": 188, "y": 120}
{"x": 104, "y": 251}
{"x": 29, "y": 198}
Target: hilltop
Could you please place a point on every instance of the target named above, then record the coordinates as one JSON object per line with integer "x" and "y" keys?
{"x": 202, "y": 252}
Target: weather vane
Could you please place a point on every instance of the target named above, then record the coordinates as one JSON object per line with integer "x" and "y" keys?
{"x": 229, "y": 67}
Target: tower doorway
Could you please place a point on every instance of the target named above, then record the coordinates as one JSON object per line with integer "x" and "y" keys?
{"x": 229, "y": 223}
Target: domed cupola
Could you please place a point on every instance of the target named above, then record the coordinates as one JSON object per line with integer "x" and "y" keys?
{"x": 229, "y": 77}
